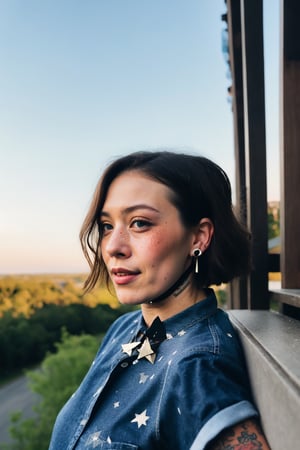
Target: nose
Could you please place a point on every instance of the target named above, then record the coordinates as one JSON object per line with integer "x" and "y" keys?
{"x": 117, "y": 243}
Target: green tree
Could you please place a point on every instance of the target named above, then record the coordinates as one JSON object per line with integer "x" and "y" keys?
{"x": 59, "y": 376}
{"x": 273, "y": 224}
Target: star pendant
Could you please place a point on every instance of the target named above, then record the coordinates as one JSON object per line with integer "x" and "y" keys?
{"x": 127, "y": 348}
{"x": 146, "y": 351}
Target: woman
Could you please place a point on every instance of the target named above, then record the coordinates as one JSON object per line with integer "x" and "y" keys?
{"x": 170, "y": 376}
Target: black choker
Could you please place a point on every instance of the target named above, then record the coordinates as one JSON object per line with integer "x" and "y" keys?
{"x": 173, "y": 288}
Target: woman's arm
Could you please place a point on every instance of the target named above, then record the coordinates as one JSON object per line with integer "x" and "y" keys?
{"x": 246, "y": 435}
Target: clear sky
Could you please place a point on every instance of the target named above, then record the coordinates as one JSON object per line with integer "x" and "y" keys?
{"x": 83, "y": 82}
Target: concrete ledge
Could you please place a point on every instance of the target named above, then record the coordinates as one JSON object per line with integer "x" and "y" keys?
{"x": 288, "y": 296}
{"x": 272, "y": 347}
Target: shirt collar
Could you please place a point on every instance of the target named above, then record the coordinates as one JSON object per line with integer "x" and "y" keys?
{"x": 188, "y": 317}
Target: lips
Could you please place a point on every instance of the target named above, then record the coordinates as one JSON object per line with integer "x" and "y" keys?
{"x": 123, "y": 276}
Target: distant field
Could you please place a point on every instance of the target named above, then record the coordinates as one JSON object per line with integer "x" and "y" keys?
{"x": 23, "y": 294}
{"x": 274, "y": 276}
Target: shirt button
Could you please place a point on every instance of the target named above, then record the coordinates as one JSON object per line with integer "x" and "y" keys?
{"x": 124, "y": 364}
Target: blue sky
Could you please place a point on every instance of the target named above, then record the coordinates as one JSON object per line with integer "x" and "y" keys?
{"x": 83, "y": 82}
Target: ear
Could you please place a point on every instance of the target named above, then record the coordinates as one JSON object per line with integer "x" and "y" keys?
{"x": 203, "y": 235}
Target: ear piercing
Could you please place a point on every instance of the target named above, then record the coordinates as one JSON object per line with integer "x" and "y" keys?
{"x": 196, "y": 253}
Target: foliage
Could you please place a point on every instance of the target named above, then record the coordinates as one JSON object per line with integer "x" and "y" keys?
{"x": 221, "y": 295}
{"x": 273, "y": 222}
{"x": 59, "y": 376}
{"x": 35, "y": 308}
{"x": 24, "y": 342}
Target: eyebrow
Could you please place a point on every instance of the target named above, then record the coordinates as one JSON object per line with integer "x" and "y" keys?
{"x": 131, "y": 209}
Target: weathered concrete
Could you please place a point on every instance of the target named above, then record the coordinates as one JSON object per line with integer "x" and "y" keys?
{"x": 272, "y": 346}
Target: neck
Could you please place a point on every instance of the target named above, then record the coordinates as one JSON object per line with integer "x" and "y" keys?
{"x": 172, "y": 305}
{"x": 175, "y": 289}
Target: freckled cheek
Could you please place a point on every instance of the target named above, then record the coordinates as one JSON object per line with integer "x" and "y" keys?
{"x": 157, "y": 249}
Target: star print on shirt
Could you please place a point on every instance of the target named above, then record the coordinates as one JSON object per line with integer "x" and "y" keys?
{"x": 181, "y": 333}
{"x": 116, "y": 404}
{"x": 95, "y": 440}
{"x": 141, "y": 419}
{"x": 143, "y": 378}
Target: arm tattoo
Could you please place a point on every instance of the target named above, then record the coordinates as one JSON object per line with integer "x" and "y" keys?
{"x": 244, "y": 436}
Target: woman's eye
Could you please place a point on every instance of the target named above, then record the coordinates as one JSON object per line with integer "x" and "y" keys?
{"x": 104, "y": 227}
{"x": 140, "y": 223}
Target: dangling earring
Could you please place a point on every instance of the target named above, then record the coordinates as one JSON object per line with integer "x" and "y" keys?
{"x": 196, "y": 253}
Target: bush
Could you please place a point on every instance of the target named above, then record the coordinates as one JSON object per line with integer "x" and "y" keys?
{"x": 25, "y": 341}
{"x": 59, "y": 376}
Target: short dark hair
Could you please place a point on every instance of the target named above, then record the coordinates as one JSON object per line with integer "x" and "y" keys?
{"x": 200, "y": 189}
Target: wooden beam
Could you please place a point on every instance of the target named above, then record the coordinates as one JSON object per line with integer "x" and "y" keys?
{"x": 255, "y": 148}
{"x": 238, "y": 288}
{"x": 290, "y": 144}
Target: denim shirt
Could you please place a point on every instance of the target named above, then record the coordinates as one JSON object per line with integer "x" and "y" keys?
{"x": 196, "y": 387}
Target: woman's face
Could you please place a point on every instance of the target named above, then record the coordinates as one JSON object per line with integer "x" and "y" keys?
{"x": 145, "y": 246}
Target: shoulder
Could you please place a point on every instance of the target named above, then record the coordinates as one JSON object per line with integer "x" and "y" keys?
{"x": 208, "y": 361}
{"x": 208, "y": 367}
{"x": 211, "y": 338}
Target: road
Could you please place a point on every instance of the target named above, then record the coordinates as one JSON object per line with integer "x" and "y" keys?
{"x": 14, "y": 396}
